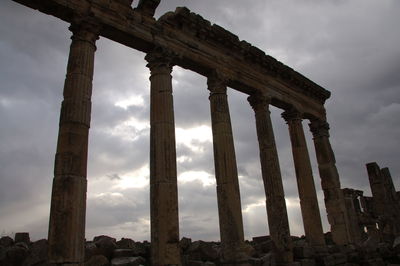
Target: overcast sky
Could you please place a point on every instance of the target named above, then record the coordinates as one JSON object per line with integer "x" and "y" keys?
{"x": 351, "y": 48}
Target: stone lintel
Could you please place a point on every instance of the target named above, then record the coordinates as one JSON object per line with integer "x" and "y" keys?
{"x": 182, "y": 31}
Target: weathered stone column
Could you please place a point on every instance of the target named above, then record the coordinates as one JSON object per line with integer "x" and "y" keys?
{"x": 68, "y": 200}
{"x": 305, "y": 183}
{"x": 228, "y": 194}
{"x": 330, "y": 183}
{"x": 271, "y": 174}
{"x": 163, "y": 176}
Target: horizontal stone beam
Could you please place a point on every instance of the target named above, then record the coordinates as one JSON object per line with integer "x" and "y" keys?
{"x": 202, "y": 48}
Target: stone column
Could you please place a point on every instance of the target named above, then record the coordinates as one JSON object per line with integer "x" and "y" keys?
{"x": 68, "y": 200}
{"x": 163, "y": 176}
{"x": 330, "y": 183}
{"x": 228, "y": 194}
{"x": 271, "y": 174}
{"x": 305, "y": 182}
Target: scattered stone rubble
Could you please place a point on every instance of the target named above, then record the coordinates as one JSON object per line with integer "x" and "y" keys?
{"x": 107, "y": 251}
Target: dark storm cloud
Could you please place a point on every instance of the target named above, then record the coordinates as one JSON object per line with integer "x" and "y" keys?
{"x": 349, "y": 47}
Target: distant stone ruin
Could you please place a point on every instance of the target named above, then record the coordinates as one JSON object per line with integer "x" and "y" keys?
{"x": 378, "y": 216}
{"x": 188, "y": 40}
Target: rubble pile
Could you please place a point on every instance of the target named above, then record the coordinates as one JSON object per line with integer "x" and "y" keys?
{"x": 107, "y": 251}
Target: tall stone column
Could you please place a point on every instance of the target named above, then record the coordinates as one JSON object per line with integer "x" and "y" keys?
{"x": 228, "y": 194}
{"x": 330, "y": 183}
{"x": 305, "y": 182}
{"x": 163, "y": 176}
{"x": 271, "y": 174}
{"x": 68, "y": 200}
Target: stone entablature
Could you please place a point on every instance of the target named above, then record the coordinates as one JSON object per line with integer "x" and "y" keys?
{"x": 200, "y": 29}
{"x": 249, "y": 69}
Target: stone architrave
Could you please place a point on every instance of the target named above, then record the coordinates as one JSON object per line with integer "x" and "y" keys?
{"x": 68, "y": 200}
{"x": 271, "y": 174}
{"x": 305, "y": 182}
{"x": 163, "y": 174}
{"x": 228, "y": 194}
{"x": 330, "y": 183}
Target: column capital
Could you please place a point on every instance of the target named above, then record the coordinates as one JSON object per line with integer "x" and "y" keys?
{"x": 85, "y": 29}
{"x": 160, "y": 57}
{"x": 292, "y": 115}
{"x": 217, "y": 81}
{"x": 319, "y": 128}
{"x": 259, "y": 102}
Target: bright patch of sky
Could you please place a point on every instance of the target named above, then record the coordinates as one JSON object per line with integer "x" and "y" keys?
{"x": 130, "y": 129}
{"x": 135, "y": 100}
{"x": 250, "y": 207}
{"x": 193, "y": 137}
{"x": 205, "y": 178}
{"x": 135, "y": 179}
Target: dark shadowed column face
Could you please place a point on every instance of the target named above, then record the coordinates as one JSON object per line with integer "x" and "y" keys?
{"x": 275, "y": 196}
{"x": 305, "y": 182}
{"x": 163, "y": 174}
{"x": 68, "y": 202}
{"x": 229, "y": 205}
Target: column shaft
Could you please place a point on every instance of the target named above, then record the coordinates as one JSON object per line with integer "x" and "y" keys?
{"x": 305, "y": 182}
{"x": 68, "y": 201}
{"x": 228, "y": 194}
{"x": 163, "y": 175}
{"x": 271, "y": 174}
{"x": 330, "y": 183}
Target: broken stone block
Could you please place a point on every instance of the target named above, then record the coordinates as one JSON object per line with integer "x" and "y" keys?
{"x": 328, "y": 260}
{"x": 307, "y": 262}
{"x": 339, "y": 258}
{"x": 126, "y": 252}
{"x": 303, "y": 252}
{"x": 374, "y": 262}
{"x": 141, "y": 249}
{"x": 255, "y": 262}
{"x": 16, "y": 254}
{"x": 396, "y": 245}
{"x": 6, "y": 241}
{"x": 22, "y": 237}
{"x": 106, "y": 245}
{"x": 263, "y": 247}
{"x": 268, "y": 259}
{"x": 185, "y": 243}
{"x": 203, "y": 251}
{"x": 128, "y": 261}
{"x": 97, "y": 260}
{"x": 371, "y": 243}
{"x": 91, "y": 250}
{"x": 38, "y": 253}
{"x": 195, "y": 263}
{"x": 125, "y": 243}
{"x": 260, "y": 239}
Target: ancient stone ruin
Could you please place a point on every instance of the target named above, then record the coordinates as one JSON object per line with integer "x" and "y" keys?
{"x": 187, "y": 40}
